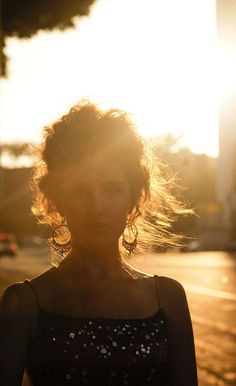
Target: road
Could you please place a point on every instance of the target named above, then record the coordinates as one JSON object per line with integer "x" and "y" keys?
{"x": 209, "y": 279}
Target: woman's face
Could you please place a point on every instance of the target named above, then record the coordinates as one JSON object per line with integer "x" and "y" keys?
{"x": 96, "y": 201}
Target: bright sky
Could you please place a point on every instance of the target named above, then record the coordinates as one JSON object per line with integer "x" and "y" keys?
{"x": 156, "y": 59}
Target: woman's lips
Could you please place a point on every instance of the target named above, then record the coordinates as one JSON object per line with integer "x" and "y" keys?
{"x": 98, "y": 226}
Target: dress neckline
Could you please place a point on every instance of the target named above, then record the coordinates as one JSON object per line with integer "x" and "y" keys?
{"x": 100, "y": 318}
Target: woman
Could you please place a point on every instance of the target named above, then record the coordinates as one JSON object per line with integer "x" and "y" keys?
{"x": 92, "y": 319}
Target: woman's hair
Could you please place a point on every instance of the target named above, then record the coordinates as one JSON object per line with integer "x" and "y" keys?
{"x": 87, "y": 131}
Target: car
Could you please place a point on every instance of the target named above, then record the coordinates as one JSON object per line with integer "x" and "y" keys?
{"x": 8, "y": 244}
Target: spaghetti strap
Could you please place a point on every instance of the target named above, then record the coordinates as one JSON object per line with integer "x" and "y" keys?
{"x": 156, "y": 279}
{"x": 28, "y": 282}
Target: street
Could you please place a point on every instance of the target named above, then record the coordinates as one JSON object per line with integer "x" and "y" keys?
{"x": 209, "y": 279}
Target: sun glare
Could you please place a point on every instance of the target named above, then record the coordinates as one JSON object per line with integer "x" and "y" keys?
{"x": 226, "y": 68}
{"x": 154, "y": 61}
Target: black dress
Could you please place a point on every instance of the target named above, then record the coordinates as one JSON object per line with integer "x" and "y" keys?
{"x": 73, "y": 351}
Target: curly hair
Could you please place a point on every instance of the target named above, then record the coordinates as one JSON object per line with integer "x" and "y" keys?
{"x": 87, "y": 128}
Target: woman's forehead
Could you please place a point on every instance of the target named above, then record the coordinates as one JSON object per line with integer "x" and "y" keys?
{"x": 95, "y": 170}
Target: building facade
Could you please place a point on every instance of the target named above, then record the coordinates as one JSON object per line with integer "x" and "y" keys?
{"x": 226, "y": 22}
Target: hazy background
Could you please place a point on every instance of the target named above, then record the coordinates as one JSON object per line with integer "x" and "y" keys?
{"x": 171, "y": 64}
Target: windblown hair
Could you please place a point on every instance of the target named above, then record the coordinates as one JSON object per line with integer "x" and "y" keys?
{"x": 88, "y": 131}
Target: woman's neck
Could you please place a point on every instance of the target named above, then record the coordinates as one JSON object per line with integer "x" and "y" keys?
{"x": 95, "y": 266}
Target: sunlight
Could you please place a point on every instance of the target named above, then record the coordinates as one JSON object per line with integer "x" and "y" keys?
{"x": 158, "y": 66}
{"x": 226, "y": 71}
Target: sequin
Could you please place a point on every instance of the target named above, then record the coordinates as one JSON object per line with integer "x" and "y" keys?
{"x": 109, "y": 343}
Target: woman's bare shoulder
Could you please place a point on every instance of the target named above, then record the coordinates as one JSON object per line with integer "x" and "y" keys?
{"x": 16, "y": 299}
{"x": 171, "y": 292}
{"x": 45, "y": 278}
{"x": 19, "y": 296}
{"x": 164, "y": 283}
{"x": 171, "y": 284}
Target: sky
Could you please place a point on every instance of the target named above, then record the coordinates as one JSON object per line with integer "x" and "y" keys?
{"x": 160, "y": 63}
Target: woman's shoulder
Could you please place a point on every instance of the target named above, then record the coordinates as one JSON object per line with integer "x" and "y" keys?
{"x": 169, "y": 283}
{"x": 172, "y": 295}
{"x": 19, "y": 297}
{"x": 163, "y": 283}
{"x": 16, "y": 299}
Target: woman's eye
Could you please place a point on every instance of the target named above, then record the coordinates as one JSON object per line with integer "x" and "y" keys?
{"x": 112, "y": 190}
{"x": 79, "y": 191}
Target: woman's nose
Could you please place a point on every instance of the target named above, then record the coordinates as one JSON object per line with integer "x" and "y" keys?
{"x": 96, "y": 203}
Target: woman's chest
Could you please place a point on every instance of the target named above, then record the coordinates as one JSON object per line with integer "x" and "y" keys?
{"x": 114, "y": 345}
{"x": 123, "y": 301}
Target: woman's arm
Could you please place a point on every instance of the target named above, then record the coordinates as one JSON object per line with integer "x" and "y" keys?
{"x": 15, "y": 331}
{"x": 180, "y": 333}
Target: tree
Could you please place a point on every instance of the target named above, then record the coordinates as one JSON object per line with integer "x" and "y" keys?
{"x": 25, "y": 18}
{"x": 16, "y": 150}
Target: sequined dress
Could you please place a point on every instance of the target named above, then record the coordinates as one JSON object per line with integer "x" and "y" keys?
{"x": 73, "y": 351}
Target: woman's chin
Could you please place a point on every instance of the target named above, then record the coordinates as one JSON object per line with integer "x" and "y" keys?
{"x": 97, "y": 243}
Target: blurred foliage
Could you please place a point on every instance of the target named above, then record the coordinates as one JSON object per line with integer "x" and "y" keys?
{"x": 16, "y": 150}
{"x": 25, "y": 18}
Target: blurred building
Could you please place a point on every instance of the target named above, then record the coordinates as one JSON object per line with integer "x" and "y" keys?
{"x": 226, "y": 22}
{"x": 15, "y": 202}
